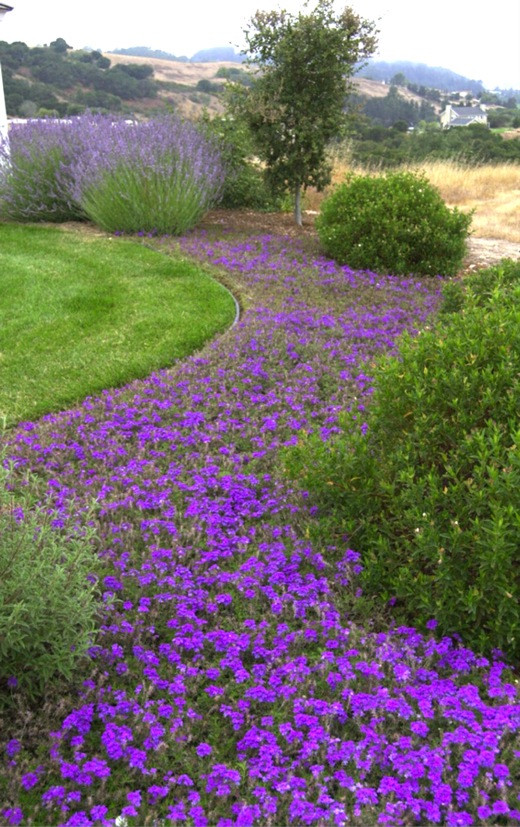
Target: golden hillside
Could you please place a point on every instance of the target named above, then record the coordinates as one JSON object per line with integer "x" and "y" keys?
{"x": 178, "y": 84}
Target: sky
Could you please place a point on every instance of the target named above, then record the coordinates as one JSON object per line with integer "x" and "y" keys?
{"x": 454, "y": 34}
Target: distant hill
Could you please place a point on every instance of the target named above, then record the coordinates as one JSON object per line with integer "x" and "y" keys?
{"x": 219, "y": 53}
{"x": 145, "y": 51}
{"x": 419, "y": 73}
{"x": 185, "y": 87}
{"x": 216, "y": 54}
{"x": 416, "y": 73}
{"x": 58, "y": 81}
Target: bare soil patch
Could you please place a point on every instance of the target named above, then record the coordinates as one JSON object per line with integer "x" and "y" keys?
{"x": 482, "y": 252}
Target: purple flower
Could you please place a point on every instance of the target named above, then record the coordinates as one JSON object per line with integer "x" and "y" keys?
{"x": 134, "y": 798}
{"x": 99, "y": 812}
{"x": 13, "y": 747}
{"x": 461, "y": 818}
{"x": 13, "y": 815}
{"x": 29, "y": 780}
{"x": 420, "y": 728}
{"x": 79, "y": 819}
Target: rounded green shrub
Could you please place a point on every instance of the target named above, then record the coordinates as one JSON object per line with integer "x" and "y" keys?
{"x": 48, "y": 605}
{"x": 396, "y": 223}
{"x": 430, "y": 494}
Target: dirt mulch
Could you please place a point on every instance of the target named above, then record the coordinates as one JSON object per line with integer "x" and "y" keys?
{"x": 242, "y": 224}
{"x": 482, "y": 252}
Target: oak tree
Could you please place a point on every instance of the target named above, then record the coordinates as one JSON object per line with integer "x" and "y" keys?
{"x": 296, "y": 106}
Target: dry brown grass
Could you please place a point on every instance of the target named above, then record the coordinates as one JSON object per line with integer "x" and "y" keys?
{"x": 188, "y": 74}
{"x": 173, "y": 70}
{"x": 492, "y": 191}
{"x": 376, "y": 89}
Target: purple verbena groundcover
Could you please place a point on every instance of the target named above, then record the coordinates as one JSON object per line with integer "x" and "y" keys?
{"x": 227, "y": 684}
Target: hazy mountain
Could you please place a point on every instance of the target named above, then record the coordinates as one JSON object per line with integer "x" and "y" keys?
{"x": 145, "y": 51}
{"x": 217, "y": 53}
{"x": 432, "y": 76}
{"x": 213, "y": 55}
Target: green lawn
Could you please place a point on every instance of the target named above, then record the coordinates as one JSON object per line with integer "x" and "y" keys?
{"x": 80, "y": 312}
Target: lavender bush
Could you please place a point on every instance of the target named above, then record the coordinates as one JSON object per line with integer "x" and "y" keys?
{"x": 35, "y": 182}
{"x": 229, "y": 685}
{"x": 160, "y": 176}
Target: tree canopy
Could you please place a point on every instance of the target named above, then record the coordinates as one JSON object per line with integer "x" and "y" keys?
{"x": 297, "y": 104}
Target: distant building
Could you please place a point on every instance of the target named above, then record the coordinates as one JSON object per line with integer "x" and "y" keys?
{"x": 463, "y": 116}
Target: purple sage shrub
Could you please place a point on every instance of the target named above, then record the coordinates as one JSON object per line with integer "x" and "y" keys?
{"x": 48, "y": 602}
{"x": 35, "y": 182}
{"x": 159, "y": 176}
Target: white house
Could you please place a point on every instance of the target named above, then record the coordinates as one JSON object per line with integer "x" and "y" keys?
{"x": 463, "y": 116}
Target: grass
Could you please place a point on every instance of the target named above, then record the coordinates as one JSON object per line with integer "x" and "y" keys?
{"x": 83, "y": 312}
{"x": 492, "y": 190}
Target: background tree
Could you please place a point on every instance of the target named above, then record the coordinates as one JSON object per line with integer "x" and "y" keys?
{"x": 139, "y": 71}
{"x": 205, "y": 85}
{"x": 394, "y": 107}
{"x": 28, "y": 109}
{"x": 296, "y": 106}
{"x": 59, "y": 45}
{"x": 399, "y": 79}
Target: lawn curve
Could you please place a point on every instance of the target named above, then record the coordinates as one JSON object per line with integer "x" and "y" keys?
{"x": 81, "y": 312}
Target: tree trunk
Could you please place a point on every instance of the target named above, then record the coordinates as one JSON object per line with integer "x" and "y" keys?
{"x": 298, "y": 204}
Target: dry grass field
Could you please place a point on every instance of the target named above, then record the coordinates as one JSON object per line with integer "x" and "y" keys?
{"x": 189, "y": 105}
{"x": 173, "y": 70}
{"x": 492, "y": 191}
{"x": 376, "y": 89}
{"x": 187, "y": 74}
